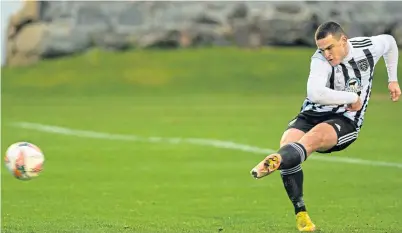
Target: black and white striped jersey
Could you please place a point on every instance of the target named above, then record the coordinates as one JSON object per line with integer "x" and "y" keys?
{"x": 337, "y": 86}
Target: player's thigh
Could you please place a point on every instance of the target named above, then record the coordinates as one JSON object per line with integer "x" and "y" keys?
{"x": 321, "y": 137}
{"x": 346, "y": 132}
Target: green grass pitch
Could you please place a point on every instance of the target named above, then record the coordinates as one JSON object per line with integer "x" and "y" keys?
{"x": 97, "y": 185}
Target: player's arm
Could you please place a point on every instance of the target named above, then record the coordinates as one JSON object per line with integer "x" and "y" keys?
{"x": 320, "y": 70}
{"x": 386, "y": 46}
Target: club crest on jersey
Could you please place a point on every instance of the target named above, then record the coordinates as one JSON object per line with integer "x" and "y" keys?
{"x": 363, "y": 65}
{"x": 353, "y": 85}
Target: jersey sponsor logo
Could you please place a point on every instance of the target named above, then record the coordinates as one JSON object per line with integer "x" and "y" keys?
{"x": 353, "y": 85}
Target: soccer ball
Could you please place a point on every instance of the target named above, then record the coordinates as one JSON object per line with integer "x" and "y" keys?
{"x": 24, "y": 160}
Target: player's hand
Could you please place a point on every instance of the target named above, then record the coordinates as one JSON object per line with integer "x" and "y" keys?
{"x": 394, "y": 90}
{"x": 355, "y": 106}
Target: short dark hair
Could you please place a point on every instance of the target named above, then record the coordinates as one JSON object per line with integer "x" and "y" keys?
{"x": 329, "y": 28}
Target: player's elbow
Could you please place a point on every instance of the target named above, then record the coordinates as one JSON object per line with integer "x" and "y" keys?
{"x": 389, "y": 37}
{"x": 393, "y": 42}
{"x": 315, "y": 95}
{"x": 389, "y": 40}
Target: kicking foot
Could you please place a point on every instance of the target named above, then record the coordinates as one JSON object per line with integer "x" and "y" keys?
{"x": 270, "y": 164}
{"x": 304, "y": 223}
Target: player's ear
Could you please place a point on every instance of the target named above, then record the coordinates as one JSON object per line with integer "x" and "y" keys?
{"x": 344, "y": 39}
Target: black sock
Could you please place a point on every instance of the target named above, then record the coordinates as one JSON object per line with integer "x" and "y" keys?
{"x": 292, "y": 155}
{"x": 293, "y": 182}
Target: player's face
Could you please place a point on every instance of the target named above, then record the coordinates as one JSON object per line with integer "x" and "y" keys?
{"x": 333, "y": 49}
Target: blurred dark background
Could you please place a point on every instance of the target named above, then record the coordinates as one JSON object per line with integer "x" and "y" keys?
{"x": 49, "y": 29}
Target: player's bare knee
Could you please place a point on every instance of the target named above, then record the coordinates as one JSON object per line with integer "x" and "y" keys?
{"x": 291, "y": 135}
{"x": 285, "y": 140}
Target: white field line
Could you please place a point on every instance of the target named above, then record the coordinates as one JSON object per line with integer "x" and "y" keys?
{"x": 195, "y": 141}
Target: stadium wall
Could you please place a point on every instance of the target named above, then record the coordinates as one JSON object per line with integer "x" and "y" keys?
{"x": 50, "y": 29}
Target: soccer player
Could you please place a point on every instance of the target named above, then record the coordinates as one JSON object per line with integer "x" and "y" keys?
{"x": 338, "y": 91}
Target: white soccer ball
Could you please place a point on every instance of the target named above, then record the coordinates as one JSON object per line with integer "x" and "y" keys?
{"x": 24, "y": 160}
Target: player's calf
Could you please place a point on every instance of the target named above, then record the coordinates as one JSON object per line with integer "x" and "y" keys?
{"x": 292, "y": 178}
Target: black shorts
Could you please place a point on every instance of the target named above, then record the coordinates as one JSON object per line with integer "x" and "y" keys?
{"x": 345, "y": 128}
